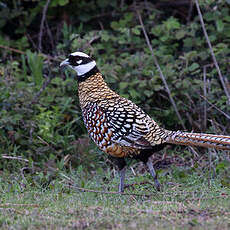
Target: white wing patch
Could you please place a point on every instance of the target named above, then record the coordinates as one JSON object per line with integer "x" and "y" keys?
{"x": 129, "y": 124}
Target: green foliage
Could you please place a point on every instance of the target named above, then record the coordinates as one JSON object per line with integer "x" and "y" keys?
{"x": 47, "y": 121}
{"x": 44, "y": 124}
{"x": 35, "y": 63}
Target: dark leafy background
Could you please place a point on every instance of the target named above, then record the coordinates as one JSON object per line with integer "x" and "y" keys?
{"x": 40, "y": 118}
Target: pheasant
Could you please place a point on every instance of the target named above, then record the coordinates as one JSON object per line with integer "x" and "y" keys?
{"x": 120, "y": 128}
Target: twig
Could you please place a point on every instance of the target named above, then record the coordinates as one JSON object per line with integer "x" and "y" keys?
{"x": 205, "y": 95}
{"x": 43, "y": 141}
{"x": 88, "y": 44}
{"x": 42, "y": 25}
{"x": 212, "y": 52}
{"x": 71, "y": 182}
{"x": 159, "y": 69}
{"x": 31, "y": 41}
{"x": 12, "y": 49}
{"x": 225, "y": 114}
{"x": 22, "y": 173}
{"x": 44, "y": 85}
{"x": 21, "y": 52}
{"x": 190, "y": 11}
{"x": 66, "y": 177}
{"x": 49, "y": 33}
{"x": 104, "y": 192}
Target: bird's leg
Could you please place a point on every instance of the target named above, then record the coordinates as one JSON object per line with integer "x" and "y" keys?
{"x": 121, "y": 164}
{"x": 154, "y": 175}
{"x": 122, "y": 179}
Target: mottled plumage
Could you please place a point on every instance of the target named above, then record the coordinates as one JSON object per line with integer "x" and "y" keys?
{"x": 119, "y": 127}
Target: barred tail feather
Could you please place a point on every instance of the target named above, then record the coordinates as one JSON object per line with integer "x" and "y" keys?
{"x": 200, "y": 139}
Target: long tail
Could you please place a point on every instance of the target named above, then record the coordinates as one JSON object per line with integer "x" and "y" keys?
{"x": 199, "y": 139}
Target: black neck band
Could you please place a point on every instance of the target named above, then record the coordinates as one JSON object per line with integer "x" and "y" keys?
{"x": 83, "y": 77}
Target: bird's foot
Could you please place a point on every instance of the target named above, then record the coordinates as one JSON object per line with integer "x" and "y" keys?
{"x": 157, "y": 185}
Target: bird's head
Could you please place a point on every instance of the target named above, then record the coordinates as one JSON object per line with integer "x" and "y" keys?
{"x": 81, "y": 63}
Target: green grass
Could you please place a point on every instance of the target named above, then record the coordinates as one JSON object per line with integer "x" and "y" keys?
{"x": 190, "y": 202}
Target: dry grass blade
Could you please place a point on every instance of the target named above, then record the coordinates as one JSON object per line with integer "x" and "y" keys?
{"x": 19, "y": 205}
{"x": 14, "y": 158}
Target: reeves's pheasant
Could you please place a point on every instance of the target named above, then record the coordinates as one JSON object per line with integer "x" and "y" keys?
{"x": 119, "y": 127}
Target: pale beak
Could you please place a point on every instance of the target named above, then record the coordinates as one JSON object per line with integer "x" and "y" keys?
{"x": 62, "y": 67}
{"x": 64, "y": 63}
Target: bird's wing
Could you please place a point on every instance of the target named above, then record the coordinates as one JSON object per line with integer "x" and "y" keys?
{"x": 128, "y": 123}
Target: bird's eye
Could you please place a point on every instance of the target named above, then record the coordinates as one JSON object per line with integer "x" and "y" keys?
{"x": 71, "y": 58}
{"x": 79, "y": 62}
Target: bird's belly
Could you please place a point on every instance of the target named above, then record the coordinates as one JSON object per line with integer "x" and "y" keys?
{"x": 101, "y": 133}
{"x": 116, "y": 150}
{"x": 106, "y": 145}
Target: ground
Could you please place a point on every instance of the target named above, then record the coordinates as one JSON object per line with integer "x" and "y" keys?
{"x": 191, "y": 201}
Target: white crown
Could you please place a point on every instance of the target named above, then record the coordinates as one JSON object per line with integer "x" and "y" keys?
{"x": 81, "y": 54}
